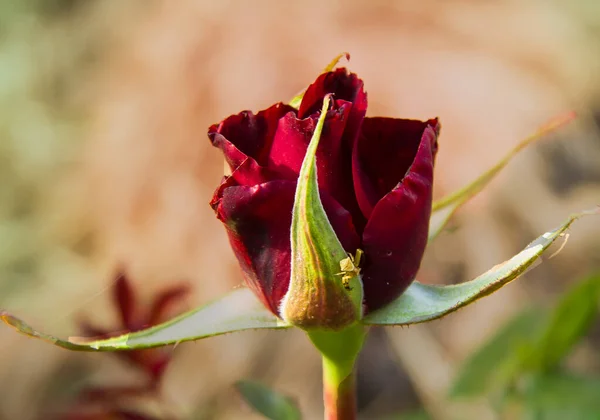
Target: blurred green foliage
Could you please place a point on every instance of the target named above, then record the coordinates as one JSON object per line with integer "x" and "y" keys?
{"x": 522, "y": 365}
{"x": 267, "y": 402}
{"x": 490, "y": 369}
{"x": 46, "y": 52}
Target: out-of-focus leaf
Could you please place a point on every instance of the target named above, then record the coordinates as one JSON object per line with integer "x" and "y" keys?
{"x": 297, "y": 100}
{"x": 440, "y": 218}
{"x": 561, "y": 397}
{"x": 572, "y": 318}
{"x": 534, "y": 341}
{"x": 422, "y": 302}
{"x": 491, "y": 366}
{"x": 267, "y": 402}
{"x": 236, "y": 311}
{"x": 444, "y": 208}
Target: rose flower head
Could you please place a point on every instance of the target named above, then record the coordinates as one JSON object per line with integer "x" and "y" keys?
{"x": 374, "y": 180}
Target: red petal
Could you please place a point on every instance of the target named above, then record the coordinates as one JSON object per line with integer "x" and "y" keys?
{"x": 152, "y": 361}
{"x": 247, "y": 134}
{"x": 258, "y": 221}
{"x": 345, "y": 86}
{"x": 249, "y": 173}
{"x": 334, "y": 170}
{"x": 382, "y": 156}
{"x": 395, "y": 237}
{"x": 124, "y": 297}
{"x": 163, "y": 303}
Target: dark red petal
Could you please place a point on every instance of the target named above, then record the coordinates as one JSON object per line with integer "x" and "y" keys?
{"x": 382, "y": 156}
{"x": 395, "y": 237}
{"x": 124, "y": 298}
{"x": 333, "y": 157}
{"x": 344, "y": 85}
{"x": 258, "y": 223}
{"x": 291, "y": 141}
{"x": 164, "y": 302}
{"x": 249, "y": 173}
{"x": 233, "y": 156}
{"x": 289, "y": 145}
{"x": 247, "y": 134}
{"x": 152, "y": 361}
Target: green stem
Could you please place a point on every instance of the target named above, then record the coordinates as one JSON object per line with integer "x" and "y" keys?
{"x": 339, "y": 395}
{"x": 339, "y": 350}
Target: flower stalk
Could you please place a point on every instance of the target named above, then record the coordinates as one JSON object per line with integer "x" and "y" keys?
{"x": 340, "y": 399}
{"x": 339, "y": 350}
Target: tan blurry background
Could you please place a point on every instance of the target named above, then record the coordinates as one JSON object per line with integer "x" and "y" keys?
{"x": 104, "y": 160}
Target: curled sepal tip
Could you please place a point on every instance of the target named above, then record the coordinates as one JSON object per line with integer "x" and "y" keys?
{"x": 325, "y": 290}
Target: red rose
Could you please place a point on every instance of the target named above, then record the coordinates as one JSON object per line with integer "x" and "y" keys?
{"x": 375, "y": 179}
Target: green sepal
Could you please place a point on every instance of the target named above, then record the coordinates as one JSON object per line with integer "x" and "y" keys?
{"x": 339, "y": 350}
{"x": 421, "y": 302}
{"x": 443, "y": 209}
{"x": 317, "y": 297}
{"x": 237, "y": 311}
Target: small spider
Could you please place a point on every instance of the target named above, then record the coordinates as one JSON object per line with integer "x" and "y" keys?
{"x": 350, "y": 268}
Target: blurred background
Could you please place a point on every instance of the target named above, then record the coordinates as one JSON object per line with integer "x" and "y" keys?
{"x": 104, "y": 163}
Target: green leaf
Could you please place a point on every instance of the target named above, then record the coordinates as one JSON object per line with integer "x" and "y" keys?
{"x": 236, "y": 311}
{"x": 571, "y": 319}
{"x": 267, "y": 402}
{"x": 561, "y": 396}
{"x": 532, "y": 341}
{"x": 421, "y": 302}
{"x": 492, "y": 366}
{"x": 444, "y": 209}
{"x": 297, "y": 100}
{"x": 441, "y": 216}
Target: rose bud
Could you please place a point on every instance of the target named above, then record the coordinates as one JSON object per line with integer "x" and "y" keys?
{"x": 374, "y": 177}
